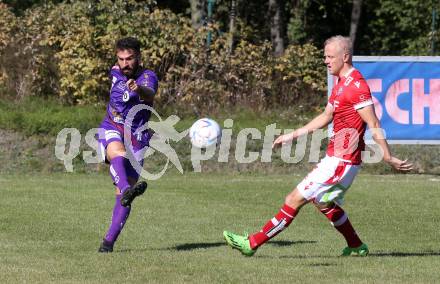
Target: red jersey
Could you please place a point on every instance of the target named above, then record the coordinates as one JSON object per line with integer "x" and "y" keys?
{"x": 347, "y": 139}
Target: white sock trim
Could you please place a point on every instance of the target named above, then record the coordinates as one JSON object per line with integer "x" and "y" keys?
{"x": 277, "y": 228}
{"x": 286, "y": 213}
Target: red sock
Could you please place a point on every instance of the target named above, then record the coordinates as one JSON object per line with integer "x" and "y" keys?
{"x": 273, "y": 226}
{"x": 340, "y": 221}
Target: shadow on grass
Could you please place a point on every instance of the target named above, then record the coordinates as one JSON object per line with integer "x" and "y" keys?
{"x": 193, "y": 246}
{"x": 322, "y": 264}
{"x": 293, "y": 256}
{"x": 289, "y": 243}
{"x": 404, "y": 254}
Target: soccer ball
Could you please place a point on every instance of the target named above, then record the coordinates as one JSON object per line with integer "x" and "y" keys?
{"x": 205, "y": 132}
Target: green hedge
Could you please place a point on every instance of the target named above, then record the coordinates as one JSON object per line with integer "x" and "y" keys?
{"x": 36, "y": 116}
{"x": 66, "y": 50}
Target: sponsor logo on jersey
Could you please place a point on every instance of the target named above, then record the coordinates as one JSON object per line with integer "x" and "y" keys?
{"x": 348, "y": 81}
{"x": 118, "y": 119}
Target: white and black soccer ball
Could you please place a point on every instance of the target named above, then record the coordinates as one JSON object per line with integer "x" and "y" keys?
{"x": 205, "y": 132}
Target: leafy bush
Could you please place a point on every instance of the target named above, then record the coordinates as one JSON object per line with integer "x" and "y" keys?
{"x": 27, "y": 65}
{"x": 302, "y": 73}
{"x": 65, "y": 50}
{"x": 8, "y": 27}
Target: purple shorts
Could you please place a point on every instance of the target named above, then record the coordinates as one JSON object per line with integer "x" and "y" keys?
{"x": 110, "y": 131}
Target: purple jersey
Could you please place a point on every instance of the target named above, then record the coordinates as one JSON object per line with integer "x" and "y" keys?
{"x": 122, "y": 100}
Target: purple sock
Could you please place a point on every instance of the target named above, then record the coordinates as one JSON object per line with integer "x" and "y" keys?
{"x": 119, "y": 217}
{"x": 118, "y": 173}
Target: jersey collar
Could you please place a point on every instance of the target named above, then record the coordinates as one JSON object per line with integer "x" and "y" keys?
{"x": 348, "y": 72}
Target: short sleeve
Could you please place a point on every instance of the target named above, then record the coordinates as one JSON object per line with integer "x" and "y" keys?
{"x": 148, "y": 79}
{"x": 361, "y": 95}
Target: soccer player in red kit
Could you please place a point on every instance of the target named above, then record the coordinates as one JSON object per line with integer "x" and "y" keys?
{"x": 351, "y": 109}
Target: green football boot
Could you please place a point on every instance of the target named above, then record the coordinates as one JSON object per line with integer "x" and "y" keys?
{"x": 239, "y": 242}
{"x": 361, "y": 250}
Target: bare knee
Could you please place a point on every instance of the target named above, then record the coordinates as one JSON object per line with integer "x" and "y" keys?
{"x": 115, "y": 149}
{"x": 295, "y": 199}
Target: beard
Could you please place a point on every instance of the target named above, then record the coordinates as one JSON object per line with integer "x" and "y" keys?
{"x": 130, "y": 72}
{"x": 127, "y": 71}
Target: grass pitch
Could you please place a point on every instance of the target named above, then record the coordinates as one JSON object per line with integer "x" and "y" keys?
{"x": 51, "y": 227}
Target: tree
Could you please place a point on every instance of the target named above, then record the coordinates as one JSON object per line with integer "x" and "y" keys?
{"x": 198, "y": 13}
{"x": 355, "y": 16}
{"x": 297, "y": 21}
{"x": 276, "y": 8}
{"x": 19, "y": 6}
{"x": 397, "y": 28}
{"x": 232, "y": 16}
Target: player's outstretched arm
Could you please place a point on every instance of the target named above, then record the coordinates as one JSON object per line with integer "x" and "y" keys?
{"x": 369, "y": 116}
{"x": 146, "y": 93}
{"x": 320, "y": 121}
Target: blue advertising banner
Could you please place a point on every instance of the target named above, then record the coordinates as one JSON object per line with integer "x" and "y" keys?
{"x": 406, "y": 94}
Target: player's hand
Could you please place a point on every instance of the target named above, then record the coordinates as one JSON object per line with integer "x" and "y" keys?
{"x": 131, "y": 84}
{"x": 403, "y": 166}
{"x": 283, "y": 139}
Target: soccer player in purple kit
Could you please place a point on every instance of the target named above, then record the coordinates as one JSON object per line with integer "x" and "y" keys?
{"x": 132, "y": 85}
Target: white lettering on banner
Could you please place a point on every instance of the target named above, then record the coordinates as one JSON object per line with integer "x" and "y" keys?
{"x": 419, "y": 100}
{"x": 397, "y": 89}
